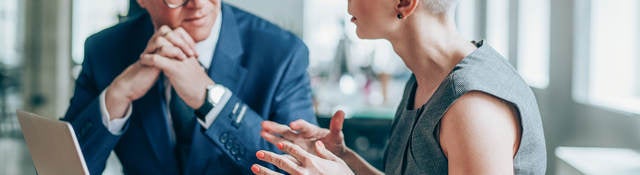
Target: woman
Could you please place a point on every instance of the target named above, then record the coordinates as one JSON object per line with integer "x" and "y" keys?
{"x": 464, "y": 111}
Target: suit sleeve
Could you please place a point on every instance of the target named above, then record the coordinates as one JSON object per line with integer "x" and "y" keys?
{"x": 236, "y": 130}
{"x": 96, "y": 142}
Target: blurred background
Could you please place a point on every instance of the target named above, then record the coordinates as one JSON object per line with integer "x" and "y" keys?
{"x": 581, "y": 58}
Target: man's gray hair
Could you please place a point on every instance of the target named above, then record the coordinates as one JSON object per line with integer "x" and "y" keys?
{"x": 440, "y": 6}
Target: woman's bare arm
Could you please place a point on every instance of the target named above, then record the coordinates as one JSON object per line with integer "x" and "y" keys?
{"x": 357, "y": 164}
{"x": 480, "y": 134}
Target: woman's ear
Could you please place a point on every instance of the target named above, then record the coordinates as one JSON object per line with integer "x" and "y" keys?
{"x": 406, "y": 8}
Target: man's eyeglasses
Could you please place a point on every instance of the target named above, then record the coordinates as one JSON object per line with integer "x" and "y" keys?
{"x": 175, "y": 3}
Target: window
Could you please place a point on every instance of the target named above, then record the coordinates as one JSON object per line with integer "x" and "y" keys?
{"x": 466, "y": 19}
{"x": 533, "y": 42}
{"x": 347, "y": 72}
{"x": 9, "y": 27}
{"x": 324, "y": 25}
{"x": 11, "y": 69}
{"x": 612, "y": 69}
{"x": 498, "y": 25}
{"x": 11, "y": 74}
{"x": 90, "y": 17}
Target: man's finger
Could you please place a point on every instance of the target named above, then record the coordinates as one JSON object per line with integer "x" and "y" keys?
{"x": 163, "y": 30}
{"x": 308, "y": 130}
{"x": 157, "y": 39}
{"x": 172, "y": 52}
{"x": 177, "y": 41}
{"x": 158, "y": 61}
{"x": 186, "y": 37}
{"x": 156, "y": 43}
{"x": 278, "y": 160}
{"x": 260, "y": 170}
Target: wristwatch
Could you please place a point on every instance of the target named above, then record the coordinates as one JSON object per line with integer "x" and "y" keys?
{"x": 213, "y": 94}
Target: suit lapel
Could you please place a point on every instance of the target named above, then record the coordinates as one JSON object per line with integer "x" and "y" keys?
{"x": 226, "y": 70}
{"x": 225, "y": 66}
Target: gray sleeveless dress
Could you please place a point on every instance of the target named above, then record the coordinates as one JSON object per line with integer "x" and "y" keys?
{"x": 414, "y": 146}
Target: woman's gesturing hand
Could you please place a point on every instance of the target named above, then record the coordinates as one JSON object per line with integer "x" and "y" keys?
{"x": 299, "y": 161}
{"x": 305, "y": 134}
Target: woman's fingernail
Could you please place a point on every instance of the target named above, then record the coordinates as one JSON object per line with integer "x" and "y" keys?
{"x": 280, "y": 145}
{"x": 255, "y": 168}
{"x": 260, "y": 154}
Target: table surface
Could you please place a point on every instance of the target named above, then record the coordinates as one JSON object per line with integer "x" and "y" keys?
{"x": 593, "y": 160}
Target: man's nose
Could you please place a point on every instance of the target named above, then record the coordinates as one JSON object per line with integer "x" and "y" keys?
{"x": 197, "y": 3}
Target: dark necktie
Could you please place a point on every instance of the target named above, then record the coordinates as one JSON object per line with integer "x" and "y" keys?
{"x": 184, "y": 122}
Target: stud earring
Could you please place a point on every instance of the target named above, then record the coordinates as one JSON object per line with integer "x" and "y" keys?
{"x": 400, "y": 16}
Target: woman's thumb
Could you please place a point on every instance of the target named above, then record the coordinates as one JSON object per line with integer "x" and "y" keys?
{"x": 337, "y": 122}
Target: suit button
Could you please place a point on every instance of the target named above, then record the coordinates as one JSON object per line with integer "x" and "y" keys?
{"x": 224, "y": 138}
{"x": 234, "y": 150}
{"x": 227, "y": 145}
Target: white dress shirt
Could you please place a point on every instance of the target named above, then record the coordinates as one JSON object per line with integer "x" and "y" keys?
{"x": 206, "y": 50}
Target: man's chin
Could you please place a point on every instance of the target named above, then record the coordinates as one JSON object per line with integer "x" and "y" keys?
{"x": 199, "y": 34}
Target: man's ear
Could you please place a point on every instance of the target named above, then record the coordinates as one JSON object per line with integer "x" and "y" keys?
{"x": 406, "y": 7}
{"x": 141, "y": 3}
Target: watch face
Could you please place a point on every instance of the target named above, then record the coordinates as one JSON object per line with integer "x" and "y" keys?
{"x": 210, "y": 95}
{"x": 216, "y": 93}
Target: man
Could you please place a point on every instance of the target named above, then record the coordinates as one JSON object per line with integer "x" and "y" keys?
{"x": 183, "y": 89}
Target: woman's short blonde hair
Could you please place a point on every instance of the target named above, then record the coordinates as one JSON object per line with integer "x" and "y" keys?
{"x": 440, "y": 6}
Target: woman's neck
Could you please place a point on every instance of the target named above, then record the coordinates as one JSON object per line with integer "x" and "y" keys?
{"x": 430, "y": 46}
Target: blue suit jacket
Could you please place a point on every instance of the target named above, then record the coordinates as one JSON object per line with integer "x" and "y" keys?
{"x": 263, "y": 65}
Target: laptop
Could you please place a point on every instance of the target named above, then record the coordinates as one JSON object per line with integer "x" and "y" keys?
{"x": 52, "y": 144}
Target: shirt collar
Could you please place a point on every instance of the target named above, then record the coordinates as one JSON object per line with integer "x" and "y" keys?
{"x": 207, "y": 47}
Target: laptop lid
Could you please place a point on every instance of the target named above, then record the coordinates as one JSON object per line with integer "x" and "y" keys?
{"x": 52, "y": 144}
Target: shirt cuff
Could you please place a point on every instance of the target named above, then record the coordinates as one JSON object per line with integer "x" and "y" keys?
{"x": 114, "y": 126}
{"x": 215, "y": 111}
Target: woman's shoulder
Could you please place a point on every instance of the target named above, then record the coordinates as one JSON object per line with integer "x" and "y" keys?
{"x": 488, "y": 71}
